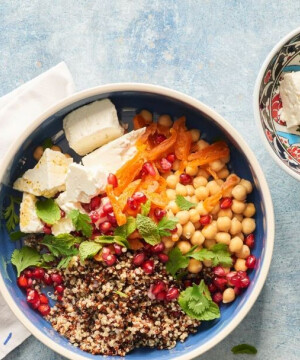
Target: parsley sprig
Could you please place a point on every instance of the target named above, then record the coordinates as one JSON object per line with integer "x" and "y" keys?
{"x": 10, "y": 215}
{"x": 25, "y": 257}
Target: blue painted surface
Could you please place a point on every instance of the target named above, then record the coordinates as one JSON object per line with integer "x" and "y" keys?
{"x": 212, "y": 52}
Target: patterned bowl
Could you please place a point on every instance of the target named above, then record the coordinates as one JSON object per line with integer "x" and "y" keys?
{"x": 129, "y": 99}
{"x": 283, "y": 144}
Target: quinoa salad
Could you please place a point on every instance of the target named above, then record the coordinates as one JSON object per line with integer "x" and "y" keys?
{"x": 139, "y": 241}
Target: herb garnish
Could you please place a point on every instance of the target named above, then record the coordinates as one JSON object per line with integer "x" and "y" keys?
{"x": 10, "y": 215}
{"x": 184, "y": 204}
{"x": 88, "y": 249}
{"x": 82, "y": 222}
{"x": 244, "y": 349}
{"x": 25, "y": 257}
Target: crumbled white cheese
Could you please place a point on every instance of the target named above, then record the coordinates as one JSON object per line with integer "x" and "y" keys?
{"x": 29, "y": 221}
{"x": 290, "y": 95}
{"x": 91, "y": 126}
{"x": 47, "y": 177}
{"x": 63, "y": 226}
{"x": 67, "y": 206}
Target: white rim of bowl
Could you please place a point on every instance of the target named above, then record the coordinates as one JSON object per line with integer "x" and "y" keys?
{"x": 223, "y": 124}
{"x": 258, "y": 81}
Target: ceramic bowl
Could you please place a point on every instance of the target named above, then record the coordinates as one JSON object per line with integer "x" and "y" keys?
{"x": 129, "y": 98}
{"x": 282, "y": 144}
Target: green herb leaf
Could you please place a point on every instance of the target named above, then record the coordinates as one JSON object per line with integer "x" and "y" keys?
{"x": 88, "y": 249}
{"x": 126, "y": 229}
{"x": 145, "y": 208}
{"x": 107, "y": 239}
{"x": 176, "y": 261}
{"x": 219, "y": 254}
{"x": 196, "y": 302}
{"x": 10, "y": 215}
{"x": 47, "y": 143}
{"x": 48, "y": 211}
{"x": 25, "y": 257}
{"x": 244, "y": 349}
{"x": 48, "y": 257}
{"x": 61, "y": 245}
{"x": 64, "y": 262}
{"x": 148, "y": 229}
{"x": 165, "y": 225}
{"x": 120, "y": 293}
{"x": 82, "y": 222}
{"x": 184, "y": 204}
{"x": 203, "y": 254}
{"x": 16, "y": 235}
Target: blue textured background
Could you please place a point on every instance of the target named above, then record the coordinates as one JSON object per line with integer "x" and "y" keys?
{"x": 211, "y": 50}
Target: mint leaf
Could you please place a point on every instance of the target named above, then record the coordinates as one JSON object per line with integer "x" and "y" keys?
{"x": 88, "y": 249}
{"x": 184, "y": 204}
{"x": 16, "y": 235}
{"x": 120, "y": 293}
{"x": 10, "y": 215}
{"x": 64, "y": 262}
{"x": 145, "y": 208}
{"x": 110, "y": 239}
{"x": 48, "y": 257}
{"x": 82, "y": 222}
{"x": 47, "y": 143}
{"x": 148, "y": 229}
{"x": 244, "y": 349}
{"x": 165, "y": 225}
{"x": 126, "y": 229}
{"x": 48, "y": 211}
{"x": 176, "y": 261}
{"x": 61, "y": 245}
{"x": 25, "y": 257}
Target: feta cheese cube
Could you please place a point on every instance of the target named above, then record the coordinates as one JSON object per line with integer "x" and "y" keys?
{"x": 63, "y": 226}
{"x": 29, "y": 221}
{"x": 290, "y": 95}
{"x": 47, "y": 177}
{"x": 66, "y": 205}
{"x": 91, "y": 126}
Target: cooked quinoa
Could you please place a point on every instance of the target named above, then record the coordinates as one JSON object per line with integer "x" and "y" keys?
{"x": 98, "y": 319}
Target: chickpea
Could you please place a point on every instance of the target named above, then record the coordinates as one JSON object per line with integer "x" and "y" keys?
{"x": 225, "y": 212}
{"x": 184, "y": 246}
{"x": 220, "y": 182}
{"x": 239, "y": 217}
{"x": 250, "y": 210}
{"x": 207, "y": 263}
{"x": 202, "y": 192}
{"x": 209, "y": 243}
{"x": 240, "y": 265}
{"x": 175, "y": 237}
{"x": 241, "y": 236}
{"x": 244, "y": 252}
{"x": 197, "y": 238}
{"x": 223, "y": 174}
{"x": 228, "y": 295}
{"x": 176, "y": 165}
{"x": 68, "y": 155}
{"x": 173, "y": 206}
{"x": 236, "y": 226}
{"x": 238, "y": 206}
{"x": 147, "y": 116}
{"x": 224, "y": 223}
{"x": 38, "y": 153}
{"x": 183, "y": 217}
{"x": 203, "y": 173}
{"x": 202, "y": 144}
{"x": 194, "y": 199}
{"x": 223, "y": 237}
{"x": 172, "y": 181}
{"x": 239, "y": 192}
{"x": 247, "y": 185}
{"x": 216, "y": 210}
{"x": 181, "y": 190}
{"x": 213, "y": 187}
{"x": 171, "y": 194}
{"x": 248, "y": 225}
{"x": 195, "y": 135}
{"x": 165, "y": 120}
{"x": 191, "y": 170}
{"x": 199, "y": 181}
{"x": 210, "y": 231}
{"x": 194, "y": 215}
{"x": 236, "y": 244}
{"x": 188, "y": 230}
{"x": 200, "y": 208}
{"x": 216, "y": 165}
{"x": 179, "y": 229}
{"x": 195, "y": 266}
{"x": 167, "y": 242}
{"x": 190, "y": 190}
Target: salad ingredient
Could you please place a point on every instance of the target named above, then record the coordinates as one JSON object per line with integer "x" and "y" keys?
{"x": 63, "y": 226}
{"x": 25, "y": 257}
{"x": 88, "y": 249}
{"x": 184, "y": 204}
{"x": 82, "y": 222}
{"x": 48, "y": 211}
{"x": 29, "y": 220}
{"x": 48, "y": 176}
{"x": 244, "y": 349}
{"x": 92, "y": 126}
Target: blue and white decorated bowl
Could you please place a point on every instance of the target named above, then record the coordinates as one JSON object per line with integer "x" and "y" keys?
{"x": 129, "y": 98}
{"x": 282, "y": 144}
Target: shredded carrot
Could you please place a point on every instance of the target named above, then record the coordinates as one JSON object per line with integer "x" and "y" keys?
{"x": 211, "y": 153}
{"x": 179, "y": 123}
{"x": 184, "y": 139}
{"x": 160, "y": 200}
{"x": 144, "y": 138}
{"x": 138, "y": 122}
{"x": 120, "y": 217}
{"x": 211, "y": 172}
{"x": 128, "y": 191}
{"x": 163, "y": 147}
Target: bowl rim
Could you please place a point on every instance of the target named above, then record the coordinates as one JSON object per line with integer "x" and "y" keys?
{"x": 258, "y": 82}
{"x": 269, "y": 213}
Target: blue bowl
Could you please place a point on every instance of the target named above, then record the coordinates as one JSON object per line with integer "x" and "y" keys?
{"x": 128, "y": 99}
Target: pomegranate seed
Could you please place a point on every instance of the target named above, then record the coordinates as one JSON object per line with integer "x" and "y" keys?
{"x": 105, "y": 226}
{"x": 172, "y": 294}
{"x": 36, "y": 304}
{"x": 251, "y": 261}
{"x": 148, "y": 266}
{"x": 95, "y": 203}
{"x": 245, "y": 282}
{"x": 38, "y": 273}
{"x": 165, "y": 165}
{"x": 163, "y": 257}
{"x": 212, "y": 288}
{"x": 171, "y": 158}
{"x": 158, "y": 248}
{"x": 249, "y": 241}
{"x": 185, "y": 179}
{"x": 148, "y": 169}
{"x": 32, "y": 296}
{"x": 219, "y": 271}
{"x": 105, "y": 253}
{"x": 118, "y": 249}
{"x": 47, "y": 279}
{"x": 242, "y": 274}
{"x": 47, "y": 229}
{"x": 59, "y": 297}
{"x": 110, "y": 233}
{"x": 107, "y": 208}
{"x": 112, "y": 180}
{"x": 94, "y": 216}
{"x": 44, "y": 309}
{"x": 43, "y": 299}
{"x": 217, "y": 297}
{"x": 59, "y": 289}
{"x": 111, "y": 218}
{"x": 225, "y": 203}
{"x": 161, "y": 296}
{"x": 56, "y": 278}
{"x": 205, "y": 219}
{"x": 138, "y": 259}
{"x": 86, "y": 207}
{"x": 27, "y": 273}
{"x": 174, "y": 231}
{"x": 62, "y": 213}
{"x": 29, "y": 282}
{"x": 237, "y": 290}
{"x": 159, "y": 138}
{"x": 158, "y": 287}
{"x": 229, "y": 276}
{"x": 235, "y": 280}
{"x": 139, "y": 197}
{"x": 132, "y": 204}
{"x": 219, "y": 282}
{"x": 22, "y": 281}
{"x": 159, "y": 213}
{"x": 110, "y": 260}
{"x": 187, "y": 283}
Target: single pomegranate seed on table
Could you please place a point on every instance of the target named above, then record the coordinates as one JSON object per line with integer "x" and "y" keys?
{"x": 219, "y": 271}
{"x": 56, "y": 278}
{"x": 32, "y": 296}
{"x": 59, "y": 289}
{"x": 62, "y": 213}
{"x": 219, "y": 282}
{"x": 158, "y": 287}
{"x": 212, "y": 288}
{"x": 110, "y": 260}
{"x": 163, "y": 257}
{"x": 139, "y": 259}
{"x": 47, "y": 279}
{"x": 217, "y": 297}
{"x": 107, "y": 208}
{"x": 105, "y": 226}
{"x": 171, "y": 158}
{"x": 38, "y": 273}
{"x": 148, "y": 266}
{"x": 185, "y": 179}
{"x": 47, "y": 229}
{"x": 249, "y": 241}
{"x": 251, "y": 261}
{"x": 132, "y": 203}
{"x": 95, "y": 203}
{"x": 105, "y": 252}
{"x": 148, "y": 169}
{"x": 172, "y": 294}
{"x": 118, "y": 249}
{"x": 158, "y": 248}
{"x": 43, "y": 299}
{"x": 44, "y": 309}
{"x": 139, "y": 197}
{"x": 161, "y": 296}
{"x": 225, "y": 203}
{"x": 22, "y": 281}
{"x": 159, "y": 138}
{"x": 159, "y": 213}
{"x": 165, "y": 165}
{"x": 112, "y": 180}
{"x": 205, "y": 219}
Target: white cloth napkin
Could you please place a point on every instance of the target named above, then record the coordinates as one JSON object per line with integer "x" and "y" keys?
{"x": 17, "y": 110}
